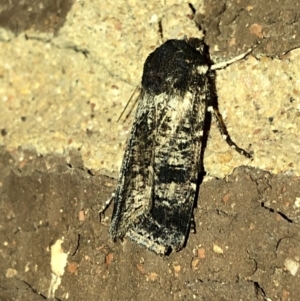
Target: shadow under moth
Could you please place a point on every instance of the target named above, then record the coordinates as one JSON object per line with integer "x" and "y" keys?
{"x": 159, "y": 178}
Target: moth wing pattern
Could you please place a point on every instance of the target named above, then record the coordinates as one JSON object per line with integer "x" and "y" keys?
{"x": 156, "y": 191}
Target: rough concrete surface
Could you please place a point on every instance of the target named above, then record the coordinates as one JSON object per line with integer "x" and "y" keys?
{"x": 67, "y": 69}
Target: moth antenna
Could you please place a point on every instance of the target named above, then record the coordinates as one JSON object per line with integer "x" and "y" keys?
{"x": 160, "y": 30}
{"x": 137, "y": 87}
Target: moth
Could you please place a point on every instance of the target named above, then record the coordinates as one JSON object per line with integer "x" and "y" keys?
{"x": 159, "y": 178}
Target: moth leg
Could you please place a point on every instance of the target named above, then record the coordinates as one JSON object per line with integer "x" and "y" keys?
{"x": 224, "y": 132}
{"x": 229, "y": 62}
{"x": 233, "y": 60}
{"x": 106, "y": 205}
{"x": 193, "y": 224}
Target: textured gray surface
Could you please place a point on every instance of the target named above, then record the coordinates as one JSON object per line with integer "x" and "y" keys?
{"x": 246, "y": 245}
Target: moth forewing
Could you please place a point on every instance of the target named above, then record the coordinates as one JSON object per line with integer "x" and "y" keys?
{"x": 156, "y": 191}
